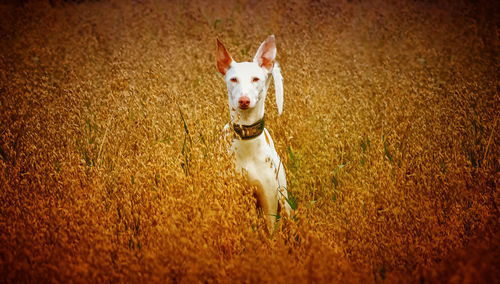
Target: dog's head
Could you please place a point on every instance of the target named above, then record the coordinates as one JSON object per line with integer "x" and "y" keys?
{"x": 247, "y": 82}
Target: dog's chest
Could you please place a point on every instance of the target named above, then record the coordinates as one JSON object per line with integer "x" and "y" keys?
{"x": 255, "y": 155}
{"x": 250, "y": 152}
{"x": 258, "y": 160}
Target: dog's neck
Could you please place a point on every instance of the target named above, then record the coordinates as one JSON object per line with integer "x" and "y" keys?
{"x": 247, "y": 132}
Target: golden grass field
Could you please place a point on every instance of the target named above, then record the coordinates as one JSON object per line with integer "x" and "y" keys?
{"x": 111, "y": 113}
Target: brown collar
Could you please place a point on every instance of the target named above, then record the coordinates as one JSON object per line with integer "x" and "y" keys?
{"x": 247, "y": 132}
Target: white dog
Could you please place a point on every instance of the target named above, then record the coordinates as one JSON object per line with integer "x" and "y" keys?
{"x": 253, "y": 148}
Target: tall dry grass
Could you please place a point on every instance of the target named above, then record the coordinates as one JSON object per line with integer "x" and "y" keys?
{"x": 111, "y": 114}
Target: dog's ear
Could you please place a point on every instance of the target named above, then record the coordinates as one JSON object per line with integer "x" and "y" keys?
{"x": 224, "y": 60}
{"x": 266, "y": 54}
{"x": 278, "y": 86}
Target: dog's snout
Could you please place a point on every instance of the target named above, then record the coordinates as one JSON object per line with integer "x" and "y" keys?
{"x": 244, "y": 102}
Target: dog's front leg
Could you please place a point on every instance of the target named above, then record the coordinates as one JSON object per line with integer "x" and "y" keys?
{"x": 268, "y": 202}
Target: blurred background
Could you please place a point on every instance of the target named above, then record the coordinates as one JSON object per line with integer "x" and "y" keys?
{"x": 111, "y": 113}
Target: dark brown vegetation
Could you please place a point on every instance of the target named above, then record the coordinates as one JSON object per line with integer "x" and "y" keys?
{"x": 111, "y": 114}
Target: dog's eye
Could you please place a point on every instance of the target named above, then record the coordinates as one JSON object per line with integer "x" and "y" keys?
{"x": 234, "y": 80}
{"x": 255, "y": 79}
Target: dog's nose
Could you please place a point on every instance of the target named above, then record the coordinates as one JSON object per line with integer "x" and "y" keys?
{"x": 244, "y": 102}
